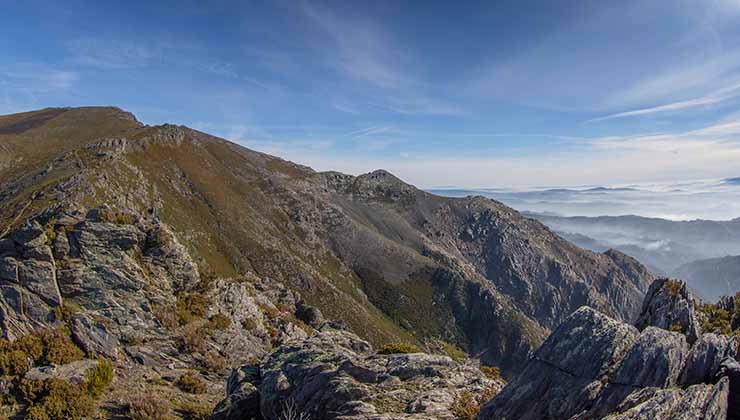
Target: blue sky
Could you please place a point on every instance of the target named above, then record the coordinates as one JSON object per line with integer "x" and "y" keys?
{"x": 475, "y": 94}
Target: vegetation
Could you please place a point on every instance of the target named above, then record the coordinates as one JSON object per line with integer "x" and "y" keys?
{"x": 55, "y": 399}
{"x": 58, "y": 399}
{"x": 220, "y": 322}
{"x": 454, "y": 352}
{"x": 195, "y": 411}
{"x": 66, "y": 311}
{"x": 119, "y": 218}
{"x": 193, "y": 338}
{"x": 398, "y": 348}
{"x": 676, "y": 327}
{"x": 190, "y": 307}
{"x": 491, "y": 372}
{"x": 467, "y": 405}
{"x": 149, "y": 406}
{"x": 191, "y": 382}
{"x": 99, "y": 377}
{"x": 673, "y": 287}
{"x": 42, "y": 347}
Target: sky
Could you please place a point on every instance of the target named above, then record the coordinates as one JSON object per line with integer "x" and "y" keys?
{"x": 468, "y": 94}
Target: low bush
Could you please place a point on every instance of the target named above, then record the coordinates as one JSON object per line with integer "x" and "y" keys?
{"x": 398, "y": 348}
{"x": 191, "y": 382}
{"x": 491, "y": 372}
{"x": 454, "y": 352}
{"x": 99, "y": 377}
{"x": 190, "y": 307}
{"x": 220, "y": 322}
{"x": 149, "y": 407}
{"x": 195, "y": 411}
{"x": 193, "y": 338}
{"x": 42, "y": 347}
{"x": 467, "y": 405}
{"x": 58, "y": 399}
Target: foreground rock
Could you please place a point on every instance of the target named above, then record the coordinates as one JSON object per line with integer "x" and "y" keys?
{"x": 335, "y": 375}
{"x": 595, "y": 367}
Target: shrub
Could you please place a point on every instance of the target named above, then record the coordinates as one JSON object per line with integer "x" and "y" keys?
{"x": 58, "y": 348}
{"x": 117, "y": 217}
{"x": 193, "y": 339}
{"x": 65, "y": 312}
{"x": 166, "y": 316}
{"x": 149, "y": 407}
{"x": 195, "y": 411}
{"x": 99, "y": 377}
{"x": 248, "y": 324}
{"x": 454, "y": 352}
{"x": 191, "y": 382}
{"x": 191, "y": 307}
{"x": 60, "y": 400}
{"x": 676, "y": 327}
{"x": 491, "y": 372}
{"x": 396, "y": 348}
{"x": 214, "y": 362}
{"x": 40, "y": 347}
{"x": 465, "y": 406}
{"x": 673, "y": 287}
{"x": 220, "y": 322}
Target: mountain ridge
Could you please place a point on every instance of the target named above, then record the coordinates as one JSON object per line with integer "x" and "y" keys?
{"x": 494, "y": 281}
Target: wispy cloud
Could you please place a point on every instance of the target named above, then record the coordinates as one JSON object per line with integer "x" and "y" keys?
{"x": 715, "y": 97}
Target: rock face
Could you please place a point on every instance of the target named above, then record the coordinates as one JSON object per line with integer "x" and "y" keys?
{"x": 593, "y": 366}
{"x": 335, "y": 375}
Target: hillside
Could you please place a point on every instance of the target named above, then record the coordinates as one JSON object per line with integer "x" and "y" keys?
{"x": 713, "y": 277}
{"x": 118, "y": 218}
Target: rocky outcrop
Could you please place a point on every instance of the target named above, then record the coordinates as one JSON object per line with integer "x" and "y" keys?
{"x": 595, "y": 367}
{"x": 669, "y": 305}
{"x": 335, "y": 375}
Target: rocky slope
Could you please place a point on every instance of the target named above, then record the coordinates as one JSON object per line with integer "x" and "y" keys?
{"x": 593, "y": 366}
{"x": 165, "y": 248}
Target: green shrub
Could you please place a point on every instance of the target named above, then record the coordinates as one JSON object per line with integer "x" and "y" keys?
{"x": 220, "y": 322}
{"x": 491, "y": 372}
{"x": 673, "y": 287}
{"x": 193, "y": 338}
{"x": 191, "y": 382}
{"x": 65, "y": 312}
{"x": 99, "y": 377}
{"x": 42, "y": 347}
{"x": 676, "y": 327}
{"x": 467, "y": 405}
{"x": 117, "y": 217}
{"x": 397, "y": 348}
{"x": 149, "y": 407}
{"x": 190, "y": 307}
{"x": 214, "y": 362}
{"x": 58, "y": 348}
{"x": 195, "y": 411}
{"x": 248, "y": 324}
{"x": 454, "y": 352}
{"x": 166, "y": 316}
{"x": 60, "y": 400}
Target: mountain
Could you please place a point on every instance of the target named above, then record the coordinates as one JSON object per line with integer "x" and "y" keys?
{"x": 142, "y": 239}
{"x": 714, "y": 277}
